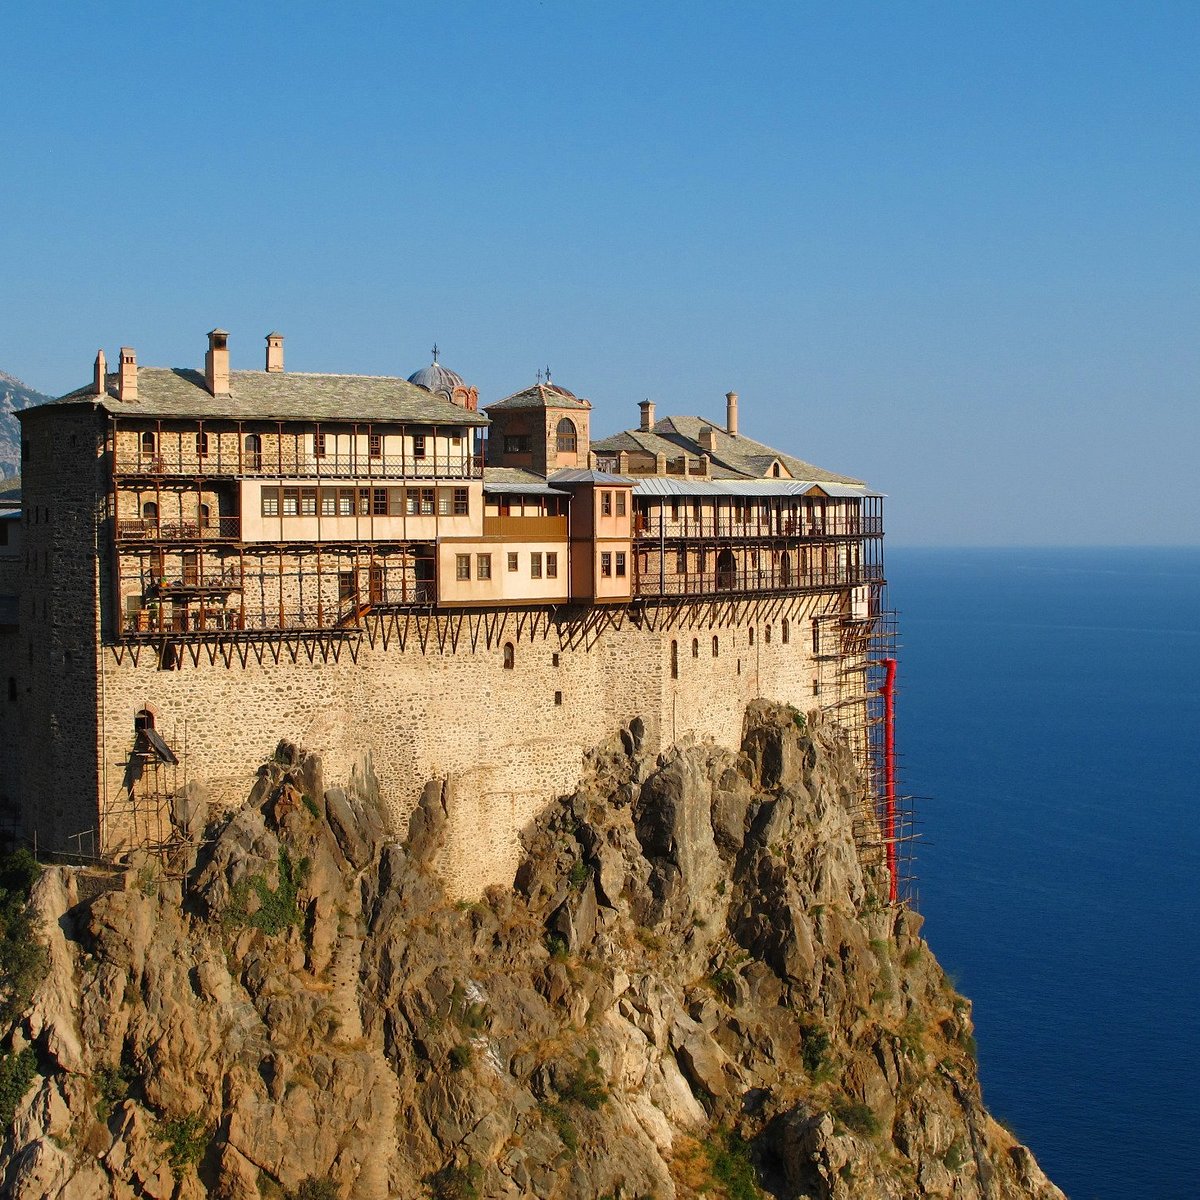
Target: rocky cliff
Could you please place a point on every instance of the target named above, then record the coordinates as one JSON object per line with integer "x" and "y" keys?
{"x": 14, "y": 395}
{"x": 693, "y": 988}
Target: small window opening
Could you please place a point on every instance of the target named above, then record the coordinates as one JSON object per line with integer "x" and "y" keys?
{"x": 695, "y": 647}
{"x": 716, "y": 646}
{"x": 752, "y": 635}
{"x": 674, "y": 660}
{"x": 784, "y": 631}
{"x": 144, "y": 719}
{"x": 558, "y": 698}
{"x": 509, "y": 656}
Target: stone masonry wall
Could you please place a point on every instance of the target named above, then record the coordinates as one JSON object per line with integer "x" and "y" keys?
{"x": 497, "y": 734}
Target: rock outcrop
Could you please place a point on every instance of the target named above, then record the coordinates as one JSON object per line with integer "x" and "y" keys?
{"x": 693, "y": 987}
{"x": 14, "y": 395}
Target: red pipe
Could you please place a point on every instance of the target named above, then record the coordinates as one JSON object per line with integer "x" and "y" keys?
{"x": 889, "y": 771}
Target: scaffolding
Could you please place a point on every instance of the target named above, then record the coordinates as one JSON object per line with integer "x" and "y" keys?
{"x": 855, "y": 659}
{"x": 142, "y": 813}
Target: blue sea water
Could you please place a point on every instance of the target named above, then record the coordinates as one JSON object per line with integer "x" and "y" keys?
{"x": 1049, "y": 713}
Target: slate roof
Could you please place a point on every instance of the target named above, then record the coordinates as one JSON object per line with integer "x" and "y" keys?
{"x": 733, "y": 457}
{"x": 583, "y": 475}
{"x": 516, "y": 481}
{"x": 541, "y": 395}
{"x": 276, "y": 396}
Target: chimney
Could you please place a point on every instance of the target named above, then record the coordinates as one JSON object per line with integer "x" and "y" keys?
{"x": 100, "y": 374}
{"x": 706, "y": 437}
{"x": 216, "y": 363}
{"x": 274, "y": 351}
{"x": 731, "y": 413}
{"x": 647, "y": 407}
{"x": 127, "y": 378}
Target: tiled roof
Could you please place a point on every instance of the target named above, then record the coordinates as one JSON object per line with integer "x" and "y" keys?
{"x": 732, "y": 457}
{"x": 541, "y": 395}
{"x": 583, "y": 475}
{"x": 277, "y": 395}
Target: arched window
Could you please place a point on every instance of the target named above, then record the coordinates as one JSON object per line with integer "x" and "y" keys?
{"x": 695, "y": 647}
{"x": 785, "y": 569}
{"x": 254, "y": 452}
{"x": 674, "y": 660}
{"x": 752, "y": 635}
{"x": 716, "y": 645}
{"x": 148, "y": 443}
{"x": 768, "y": 635}
{"x": 149, "y": 511}
{"x": 784, "y": 631}
{"x": 567, "y": 437}
{"x": 143, "y": 719}
{"x": 775, "y": 471}
{"x": 509, "y": 656}
{"x": 726, "y": 571}
{"x": 205, "y": 516}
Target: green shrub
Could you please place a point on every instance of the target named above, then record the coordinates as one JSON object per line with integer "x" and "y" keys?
{"x": 729, "y": 1160}
{"x": 186, "y": 1139}
{"x": 460, "y": 1056}
{"x": 557, "y": 1115}
{"x": 816, "y": 1046}
{"x": 911, "y": 957}
{"x": 955, "y": 1157}
{"x": 112, "y": 1086}
{"x": 277, "y": 909}
{"x": 313, "y": 1188}
{"x": 579, "y": 874}
{"x": 17, "y": 1072}
{"x": 23, "y": 959}
{"x": 557, "y": 946}
{"x": 455, "y": 1183}
{"x": 856, "y": 1116}
{"x": 585, "y": 1086}
{"x": 311, "y": 805}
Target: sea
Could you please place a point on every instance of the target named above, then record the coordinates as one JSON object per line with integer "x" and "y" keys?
{"x": 1048, "y": 718}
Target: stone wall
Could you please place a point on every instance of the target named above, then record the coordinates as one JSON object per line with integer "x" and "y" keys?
{"x": 509, "y": 739}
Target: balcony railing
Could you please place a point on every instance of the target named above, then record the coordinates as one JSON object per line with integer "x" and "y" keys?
{"x": 266, "y": 465}
{"x": 149, "y": 529}
{"x": 718, "y": 583}
{"x": 525, "y": 529}
{"x": 724, "y": 526}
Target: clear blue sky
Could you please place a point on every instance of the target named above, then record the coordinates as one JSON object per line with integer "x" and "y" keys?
{"x": 953, "y": 248}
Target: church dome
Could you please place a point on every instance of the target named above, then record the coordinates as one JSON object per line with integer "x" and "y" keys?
{"x": 439, "y": 379}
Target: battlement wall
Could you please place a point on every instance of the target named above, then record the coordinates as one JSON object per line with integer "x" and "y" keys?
{"x": 510, "y": 738}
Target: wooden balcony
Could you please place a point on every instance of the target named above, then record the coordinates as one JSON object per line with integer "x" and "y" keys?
{"x": 146, "y": 529}
{"x": 270, "y": 466}
{"x": 526, "y": 529}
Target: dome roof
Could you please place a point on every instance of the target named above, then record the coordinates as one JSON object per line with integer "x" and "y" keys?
{"x": 439, "y": 379}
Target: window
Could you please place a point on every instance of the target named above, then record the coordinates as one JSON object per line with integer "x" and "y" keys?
{"x": 205, "y": 515}
{"x": 379, "y": 503}
{"x": 606, "y": 504}
{"x": 143, "y": 719}
{"x": 752, "y": 635}
{"x": 767, "y": 636}
{"x": 558, "y": 697}
{"x": 148, "y": 443}
{"x": 254, "y": 458}
{"x": 816, "y": 636}
{"x": 202, "y": 444}
{"x": 566, "y": 437}
{"x": 606, "y": 564}
{"x": 328, "y": 502}
{"x": 347, "y": 588}
{"x": 620, "y": 504}
{"x": 517, "y": 443}
{"x": 674, "y": 660}
{"x": 716, "y": 646}
{"x": 291, "y": 502}
{"x": 462, "y": 568}
{"x": 375, "y": 445}
{"x": 554, "y": 659}
{"x": 513, "y": 560}
{"x": 319, "y": 444}
{"x": 427, "y": 502}
{"x": 364, "y": 502}
{"x": 785, "y": 631}
{"x": 345, "y": 502}
{"x": 620, "y": 564}
{"x": 418, "y": 445}
{"x": 443, "y": 503}
{"x": 509, "y": 656}
{"x": 695, "y": 647}
{"x": 681, "y": 562}
{"x": 461, "y": 505}
{"x": 149, "y": 511}
{"x": 483, "y": 566}
{"x": 412, "y": 502}
{"x": 552, "y": 567}
{"x": 535, "y": 566}
{"x": 308, "y": 502}
{"x": 775, "y": 471}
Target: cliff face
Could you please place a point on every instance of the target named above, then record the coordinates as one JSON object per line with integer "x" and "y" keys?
{"x": 693, "y": 988}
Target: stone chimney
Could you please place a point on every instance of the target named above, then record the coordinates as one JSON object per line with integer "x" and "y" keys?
{"x": 127, "y": 376}
{"x": 731, "y": 413}
{"x": 647, "y": 407}
{"x": 274, "y": 351}
{"x": 216, "y": 363}
{"x": 100, "y": 374}
{"x": 706, "y": 437}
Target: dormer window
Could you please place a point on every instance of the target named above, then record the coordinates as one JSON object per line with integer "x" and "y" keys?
{"x": 776, "y": 471}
